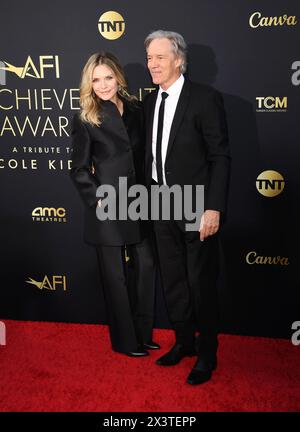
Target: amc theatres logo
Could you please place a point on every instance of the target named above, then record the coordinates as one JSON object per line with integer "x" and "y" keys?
{"x": 45, "y": 64}
{"x": 49, "y": 214}
{"x": 270, "y": 183}
{"x": 51, "y": 283}
{"x": 271, "y": 104}
{"x": 111, "y": 25}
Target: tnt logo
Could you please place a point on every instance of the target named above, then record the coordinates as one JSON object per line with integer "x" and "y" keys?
{"x": 270, "y": 103}
{"x": 2, "y": 333}
{"x": 270, "y": 183}
{"x": 296, "y": 336}
{"x": 111, "y": 25}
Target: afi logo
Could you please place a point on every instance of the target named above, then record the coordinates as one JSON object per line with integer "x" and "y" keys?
{"x": 32, "y": 69}
{"x": 48, "y": 283}
{"x": 296, "y": 336}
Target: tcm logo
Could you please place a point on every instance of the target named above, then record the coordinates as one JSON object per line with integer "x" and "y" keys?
{"x": 296, "y": 336}
{"x": 270, "y": 183}
{"x": 296, "y": 74}
{"x": 51, "y": 283}
{"x": 111, "y": 25}
{"x": 34, "y": 69}
{"x": 2, "y": 333}
{"x": 253, "y": 258}
{"x": 49, "y": 214}
{"x": 271, "y": 104}
{"x": 257, "y": 20}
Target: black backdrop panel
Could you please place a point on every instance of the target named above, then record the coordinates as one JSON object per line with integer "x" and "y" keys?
{"x": 47, "y": 272}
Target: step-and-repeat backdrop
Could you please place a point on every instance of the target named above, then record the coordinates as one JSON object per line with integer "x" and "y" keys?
{"x": 249, "y": 50}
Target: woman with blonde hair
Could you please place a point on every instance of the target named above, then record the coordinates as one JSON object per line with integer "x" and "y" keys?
{"x": 108, "y": 143}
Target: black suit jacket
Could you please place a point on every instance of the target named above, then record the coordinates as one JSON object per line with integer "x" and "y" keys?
{"x": 198, "y": 151}
{"x": 115, "y": 149}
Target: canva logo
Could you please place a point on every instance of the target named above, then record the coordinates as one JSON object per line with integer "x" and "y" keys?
{"x": 34, "y": 69}
{"x": 111, "y": 25}
{"x": 296, "y": 335}
{"x": 257, "y": 20}
{"x": 270, "y": 183}
{"x": 254, "y": 258}
{"x": 2, "y": 333}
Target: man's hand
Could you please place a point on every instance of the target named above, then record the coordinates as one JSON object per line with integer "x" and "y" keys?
{"x": 209, "y": 223}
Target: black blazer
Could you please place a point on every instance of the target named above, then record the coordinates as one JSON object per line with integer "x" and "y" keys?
{"x": 198, "y": 151}
{"x": 115, "y": 149}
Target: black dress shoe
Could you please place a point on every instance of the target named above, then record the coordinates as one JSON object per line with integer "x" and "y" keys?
{"x": 202, "y": 371}
{"x": 198, "y": 377}
{"x": 173, "y": 357}
{"x": 151, "y": 345}
{"x": 139, "y": 353}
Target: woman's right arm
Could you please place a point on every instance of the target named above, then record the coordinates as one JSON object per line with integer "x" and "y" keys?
{"x": 81, "y": 171}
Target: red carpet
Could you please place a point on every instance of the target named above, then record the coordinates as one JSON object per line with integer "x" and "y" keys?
{"x": 70, "y": 367}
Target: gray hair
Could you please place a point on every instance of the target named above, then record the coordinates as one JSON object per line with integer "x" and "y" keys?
{"x": 177, "y": 41}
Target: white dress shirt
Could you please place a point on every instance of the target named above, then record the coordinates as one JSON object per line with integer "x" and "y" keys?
{"x": 170, "y": 107}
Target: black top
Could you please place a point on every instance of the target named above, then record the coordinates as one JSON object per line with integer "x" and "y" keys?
{"x": 115, "y": 149}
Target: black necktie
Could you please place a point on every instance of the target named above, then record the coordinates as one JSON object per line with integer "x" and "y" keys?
{"x": 160, "y": 125}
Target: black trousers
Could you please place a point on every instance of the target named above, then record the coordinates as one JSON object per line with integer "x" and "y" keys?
{"x": 189, "y": 270}
{"x": 130, "y": 297}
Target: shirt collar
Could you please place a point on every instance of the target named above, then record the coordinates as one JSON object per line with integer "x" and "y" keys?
{"x": 175, "y": 88}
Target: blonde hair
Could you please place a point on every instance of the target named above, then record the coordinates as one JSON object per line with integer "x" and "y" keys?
{"x": 89, "y": 102}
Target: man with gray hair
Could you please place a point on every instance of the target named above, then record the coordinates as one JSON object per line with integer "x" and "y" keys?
{"x": 187, "y": 144}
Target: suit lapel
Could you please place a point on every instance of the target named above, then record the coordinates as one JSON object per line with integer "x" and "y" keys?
{"x": 149, "y": 121}
{"x": 179, "y": 113}
{"x": 151, "y": 109}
